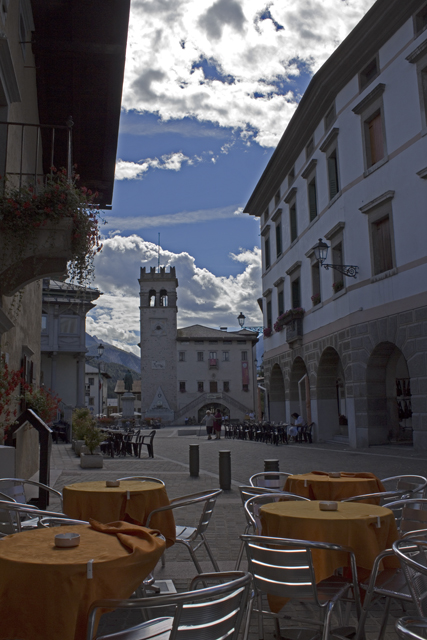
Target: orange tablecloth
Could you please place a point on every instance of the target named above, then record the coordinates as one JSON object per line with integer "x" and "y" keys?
{"x": 44, "y": 590}
{"x": 317, "y": 486}
{"x": 133, "y": 501}
{"x": 352, "y": 525}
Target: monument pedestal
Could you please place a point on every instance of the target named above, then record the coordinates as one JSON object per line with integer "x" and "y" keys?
{"x": 128, "y": 405}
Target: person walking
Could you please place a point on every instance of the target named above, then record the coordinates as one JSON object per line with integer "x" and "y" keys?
{"x": 217, "y": 424}
{"x": 209, "y": 421}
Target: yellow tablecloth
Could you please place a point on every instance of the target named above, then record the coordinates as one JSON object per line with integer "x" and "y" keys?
{"x": 317, "y": 486}
{"x": 45, "y": 593}
{"x": 353, "y": 525}
{"x": 132, "y": 501}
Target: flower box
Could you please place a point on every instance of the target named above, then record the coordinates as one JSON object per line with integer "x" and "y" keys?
{"x": 337, "y": 286}
{"x": 267, "y": 332}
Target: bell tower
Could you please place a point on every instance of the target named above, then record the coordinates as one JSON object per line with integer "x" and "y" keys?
{"x": 158, "y": 307}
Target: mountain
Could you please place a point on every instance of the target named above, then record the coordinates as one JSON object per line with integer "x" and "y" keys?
{"x": 116, "y": 362}
{"x": 112, "y": 354}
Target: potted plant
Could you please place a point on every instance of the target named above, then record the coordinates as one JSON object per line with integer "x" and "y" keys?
{"x": 315, "y": 298}
{"x": 267, "y": 332}
{"x": 81, "y": 421}
{"x": 278, "y": 326}
{"x": 93, "y": 438}
{"x": 10, "y": 380}
{"x": 32, "y": 216}
{"x": 337, "y": 286}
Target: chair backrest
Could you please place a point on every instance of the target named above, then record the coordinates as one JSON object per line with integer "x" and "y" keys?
{"x": 143, "y": 479}
{"x": 211, "y": 613}
{"x": 411, "y": 628}
{"x": 379, "y": 498}
{"x": 207, "y": 511}
{"x": 15, "y": 488}
{"x": 269, "y": 479}
{"x": 414, "y": 486}
{"x": 254, "y": 504}
{"x": 18, "y": 512}
{"x": 410, "y": 514}
{"x": 412, "y": 554}
{"x": 281, "y": 567}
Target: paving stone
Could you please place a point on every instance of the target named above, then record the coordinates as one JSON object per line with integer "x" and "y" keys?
{"x": 171, "y": 465}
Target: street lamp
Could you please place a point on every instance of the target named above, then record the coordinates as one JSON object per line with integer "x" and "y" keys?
{"x": 241, "y": 319}
{"x": 321, "y": 253}
{"x": 100, "y": 354}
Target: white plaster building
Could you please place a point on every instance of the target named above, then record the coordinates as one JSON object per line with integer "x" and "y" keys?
{"x": 351, "y": 168}
{"x": 186, "y": 371}
{"x": 63, "y": 345}
{"x": 96, "y": 390}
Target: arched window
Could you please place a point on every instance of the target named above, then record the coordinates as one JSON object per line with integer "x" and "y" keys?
{"x": 152, "y": 298}
{"x": 163, "y": 298}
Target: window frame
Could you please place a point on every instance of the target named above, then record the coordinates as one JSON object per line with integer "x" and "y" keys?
{"x": 336, "y": 237}
{"x": 224, "y": 388}
{"x": 419, "y": 58}
{"x": 378, "y": 210}
{"x": 226, "y": 356}
{"x": 421, "y": 12}
{"x": 244, "y": 356}
{"x": 371, "y": 106}
{"x": 182, "y": 386}
{"x": 200, "y": 356}
{"x": 200, "y": 386}
{"x": 330, "y": 147}
{"x": 181, "y": 356}
{"x": 364, "y": 81}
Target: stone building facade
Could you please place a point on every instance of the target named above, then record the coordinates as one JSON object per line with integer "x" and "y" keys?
{"x": 351, "y": 168}
{"x": 186, "y": 371}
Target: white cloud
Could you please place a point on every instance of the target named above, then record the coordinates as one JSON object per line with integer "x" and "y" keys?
{"x": 203, "y": 298}
{"x": 252, "y": 47}
{"x": 135, "y": 223}
{"x": 130, "y": 170}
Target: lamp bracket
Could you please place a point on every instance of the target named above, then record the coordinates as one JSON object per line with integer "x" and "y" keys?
{"x": 349, "y": 270}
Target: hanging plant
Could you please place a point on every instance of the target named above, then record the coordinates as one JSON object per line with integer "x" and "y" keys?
{"x": 25, "y": 210}
{"x": 10, "y": 380}
{"x": 267, "y": 332}
{"x": 43, "y": 402}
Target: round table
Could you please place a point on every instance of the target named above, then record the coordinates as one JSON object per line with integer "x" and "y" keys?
{"x": 354, "y": 525}
{"x": 45, "y": 591}
{"x": 133, "y": 500}
{"x": 320, "y": 486}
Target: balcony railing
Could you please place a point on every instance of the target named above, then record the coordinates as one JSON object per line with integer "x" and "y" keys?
{"x": 294, "y": 331}
{"x": 213, "y": 363}
{"x": 28, "y": 151}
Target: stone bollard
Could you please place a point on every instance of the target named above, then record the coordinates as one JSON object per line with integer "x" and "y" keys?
{"x": 273, "y": 482}
{"x": 194, "y": 460}
{"x": 225, "y": 470}
{"x": 271, "y": 465}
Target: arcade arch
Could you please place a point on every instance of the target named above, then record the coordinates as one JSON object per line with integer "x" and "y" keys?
{"x": 388, "y": 395}
{"x": 331, "y": 399}
{"x": 299, "y": 390}
{"x": 277, "y": 395}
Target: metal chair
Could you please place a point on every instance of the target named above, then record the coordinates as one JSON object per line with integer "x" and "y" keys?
{"x": 414, "y": 486}
{"x": 283, "y": 567}
{"x": 412, "y": 554}
{"x": 141, "y": 443}
{"x": 24, "y": 517}
{"x": 210, "y": 613}
{"x": 143, "y": 479}
{"x": 253, "y": 505}
{"x": 54, "y": 521}
{"x": 189, "y": 535}
{"x": 269, "y": 479}
{"x": 15, "y": 488}
{"x": 380, "y": 498}
{"x": 411, "y": 519}
{"x": 411, "y": 628}
{"x": 246, "y": 492}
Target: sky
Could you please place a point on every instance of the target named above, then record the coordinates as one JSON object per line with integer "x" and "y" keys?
{"x": 210, "y": 86}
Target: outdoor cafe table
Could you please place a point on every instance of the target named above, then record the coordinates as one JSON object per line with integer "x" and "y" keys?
{"x": 318, "y": 485}
{"x": 368, "y": 529}
{"x": 46, "y": 591}
{"x": 133, "y": 501}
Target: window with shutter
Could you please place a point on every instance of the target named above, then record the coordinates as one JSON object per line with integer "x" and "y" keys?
{"x": 333, "y": 174}
{"x": 424, "y": 88}
{"x": 269, "y": 314}
{"x": 381, "y": 244}
{"x": 375, "y": 140}
{"x": 293, "y": 221}
{"x": 296, "y": 293}
{"x": 315, "y": 282}
{"x": 312, "y": 199}
{"x": 279, "y": 238}
{"x": 280, "y": 302}
{"x": 267, "y": 253}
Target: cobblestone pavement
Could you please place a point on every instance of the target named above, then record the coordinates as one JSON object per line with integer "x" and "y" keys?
{"x": 171, "y": 464}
